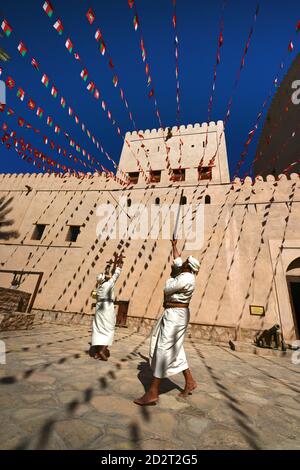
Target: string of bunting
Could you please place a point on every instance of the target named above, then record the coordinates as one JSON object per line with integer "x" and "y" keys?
{"x": 91, "y": 17}
{"x": 268, "y": 139}
{"x": 21, "y": 147}
{"x": 291, "y": 165}
{"x": 151, "y": 93}
{"x": 37, "y": 154}
{"x": 275, "y": 157}
{"x": 236, "y": 82}
{"x": 242, "y": 65}
{"x": 275, "y": 82}
{"x": 26, "y": 125}
{"x": 176, "y": 44}
{"x": 91, "y": 87}
{"x": 7, "y": 29}
{"x": 283, "y": 146}
{"x": 217, "y": 63}
{"x": 177, "y": 75}
{"x": 11, "y": 84}
{"x": 4, "y": 141}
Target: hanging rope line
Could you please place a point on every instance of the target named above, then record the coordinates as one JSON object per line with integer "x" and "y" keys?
{"x": 25, "y": 125}
{"x": 217, "y": 63}
{"x": 10, "y": 82}
{"x": 276, "y": 155}
{"x": 176, "y": 44}
{"x": 236, "y": 83}
{"x": 91, "y": 88}
{"x": 288, "y": 168}
{"x": 177, "y": 75}
{"x": 151, "y": 93}
{"x": 21, "y": 147}
{"x": 54, "y": 93}
{"x": 242, "y": 65}
{"x": 91, "y": 17}
{"x": 274, "y": 86}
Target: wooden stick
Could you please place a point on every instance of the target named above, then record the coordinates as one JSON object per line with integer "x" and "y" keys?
{"x": 177, "y": 218}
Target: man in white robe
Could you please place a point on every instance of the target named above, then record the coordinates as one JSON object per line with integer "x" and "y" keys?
{"x": 104, "y": 322}
{"x": 167, "y": 355}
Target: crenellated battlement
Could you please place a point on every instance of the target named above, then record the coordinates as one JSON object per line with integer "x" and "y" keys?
{"x": 46, "y": 181}
{"x": 88, "y": 176}
{"x": 194, "y": 128}
{"x": 50, "y": 175}
{"x": 268, "y": 179}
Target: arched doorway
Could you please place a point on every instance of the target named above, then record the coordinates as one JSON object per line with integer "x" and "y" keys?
{"x": 293, "y": 281}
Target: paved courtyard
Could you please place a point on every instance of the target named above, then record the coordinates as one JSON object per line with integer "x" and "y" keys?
{"x": 54, "y": 396}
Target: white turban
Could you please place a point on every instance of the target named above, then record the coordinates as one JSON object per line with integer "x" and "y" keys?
{"x": 100, "y": 278}
{"x": 193, "y": 263}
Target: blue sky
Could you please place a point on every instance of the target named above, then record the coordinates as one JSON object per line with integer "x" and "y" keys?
{"x": 198, "y": 29}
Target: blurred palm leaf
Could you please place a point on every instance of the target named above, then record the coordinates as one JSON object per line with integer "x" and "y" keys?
{"x": 3, "y": 55}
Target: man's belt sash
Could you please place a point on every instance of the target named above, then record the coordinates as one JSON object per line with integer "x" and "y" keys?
{"x": 175, "y": 305}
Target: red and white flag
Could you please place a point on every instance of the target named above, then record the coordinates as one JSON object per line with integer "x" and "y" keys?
{"x": 90, "y": 16}
{"x": 69, "y": 45}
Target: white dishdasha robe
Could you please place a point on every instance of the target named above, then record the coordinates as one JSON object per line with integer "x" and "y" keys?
{"x": 167, "y": 355}
{"x": 105, "y": 319}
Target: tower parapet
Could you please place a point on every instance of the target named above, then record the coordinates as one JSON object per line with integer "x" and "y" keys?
{"x": 187, "y": 147}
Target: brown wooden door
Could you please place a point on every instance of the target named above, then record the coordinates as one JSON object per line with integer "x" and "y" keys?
{"x": 122, "y": 313}
{"x": 294, "y": 290}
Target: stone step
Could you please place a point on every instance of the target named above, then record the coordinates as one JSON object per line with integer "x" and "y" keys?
{"x": 240, "y": 346}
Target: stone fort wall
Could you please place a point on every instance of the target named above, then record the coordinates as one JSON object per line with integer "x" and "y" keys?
{"x": 251, "y": 235}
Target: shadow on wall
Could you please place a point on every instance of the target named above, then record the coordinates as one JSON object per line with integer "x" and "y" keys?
{"x": 5, "y": 209}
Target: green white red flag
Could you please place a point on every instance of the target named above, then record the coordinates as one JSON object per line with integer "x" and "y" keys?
{"x": 102, "y": 47}
{"x": 98, "y": 35}
{"x": 6, "y": 28}
{"x": 135, "y": 22}
{"x": 58, "y": 26}
{"x": 69, "y": 45}
{"x": 45, "y": 80}
{"x": 35, "y": 64}
{"x": 48, "y": 9}
{"x": 39, "y": 112}
{"x": 21, "y": 94}
{"x": 91, "y": 86}
{"x": 22, "y": 49}
{"x": 84, "y": 74}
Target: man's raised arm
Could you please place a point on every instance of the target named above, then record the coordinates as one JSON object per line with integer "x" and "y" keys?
{"x": 175, "y": 249}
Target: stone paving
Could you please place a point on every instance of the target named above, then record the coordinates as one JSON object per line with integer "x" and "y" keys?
{"x": 54, "y": 396}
